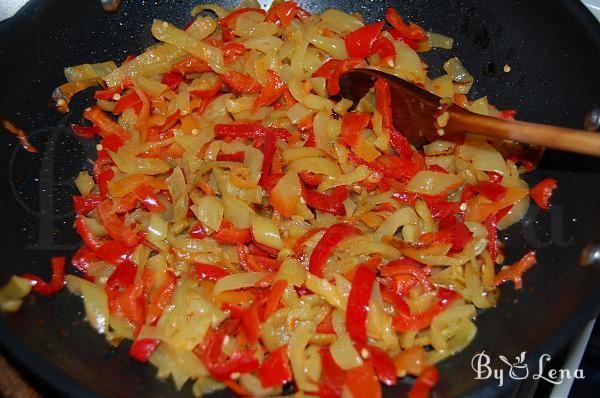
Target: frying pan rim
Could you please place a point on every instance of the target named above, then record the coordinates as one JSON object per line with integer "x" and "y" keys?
{"x": 41, "y": 370}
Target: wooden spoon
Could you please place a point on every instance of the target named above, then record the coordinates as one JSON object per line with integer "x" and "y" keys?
{"x": 414, "y": 112}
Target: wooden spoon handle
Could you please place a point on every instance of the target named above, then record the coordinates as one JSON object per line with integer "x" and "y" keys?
{"x": 571, "y": 140}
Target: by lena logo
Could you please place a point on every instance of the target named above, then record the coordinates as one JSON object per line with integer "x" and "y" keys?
{"x": 519, "y": 370}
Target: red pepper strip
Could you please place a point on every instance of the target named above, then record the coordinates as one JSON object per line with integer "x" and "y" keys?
{"x": 232, "y": 16}
{"x": 122, "y": 277}
{"x": 239, "y": 361}
{"x": 275, "y": 369}
{"x": 248, "y": 130}
{"x": 384, "y": 47}
{"x": 268, "y": 150}
{"x": 83, "y": 259}
{"x": 310, "y": 178}
{"x": 360, "y": 42}
{"x": 422, "y": 386}
{"x": 233, "y": 51}
{"x": 114, "y": 226}
{"x": 494, "y": 177}
{"x": 197, "y": 231}
{"x": 515, "y": 272}
{"x": 56, "y": 282}
{"x": 227, "y": 34}
{"x": 283, "y": 12}
{"x": 161, "y": 298}
{"x": 461, "y": 235}
{"x": 85, "y": 204}
{"x": 491, "y": 190}
{"x": 326, "y": 325}
{"x": 209, "y": 92}
{"x": 491, "y": 227}
{"x": 362, "y": 381}
{"x": 84, "y": 131}
{"x": 384, "y": 365}
{"x": 275, "y": 295}
{"x": 108, "y": 93}
{"x": 407, "y": 266}
{"x": 272, "y": 90}
{"x": 112, "y": 142}
{"x": 90, "y": 240}
{"x": 383, "y": 104}
{"x": 231, "y": 157}
{"x": 172, "y": 79}
{"x": 207, "y": 272}
{"x": 114, "y": 252}
{"x": 333, "y": 204}
{"x": 333, "y": 69}
{"x": 542, "y": 192}
{"x": 304, "y": 238}
{"x": 333, "y": 236}
{"x": 405, "y": 321}
{"x": 149, "y": 200}
{"x": 103, "y": 179}
{"x": 105, "y": 124}
{"x": 131, "y": 100}
{"x": 142, "y": 349}
{"x": 411, "y": 31}
{"x": 102, "y": 163}
{"x": 241, "y": 82}
{"x": 333, "y": 377}
{"x": 394, "y": 167}
{"x": 229, "y": 235}
{"x": 191, "y": 65}
{"x": 235, "y": 311}
{"x": 441, "y": 210}
{"x": 358, "y": 303}
{"x": 125, "y": 298}
{"x": 352, "y": 124}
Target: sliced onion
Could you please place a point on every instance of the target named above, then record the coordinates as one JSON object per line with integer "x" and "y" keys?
{"x": 437, "y": 40}
{"x": 360, "y": 173}
{"x": 397, "y": 219}
{"x": 286, "y": 194}
{"x": 84, "y": 183}
{"x": 237, "y": 211}
{"x": 209, "y": 211}
{"x": 326, "y": 290}
{"x": 265, "y": 231}
{"x": 85, "y": 72}
{"x": 459, "y": 73}
{"x": 94, "y": 300}
{"x": 316, "y": 165}
{"x": 344, "y": 354}
{"x": 12, "y": 294}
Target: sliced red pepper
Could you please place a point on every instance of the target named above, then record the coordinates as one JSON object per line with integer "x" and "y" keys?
{"x": 405, "y": 321}
{"x": 229, "y": 235}
{"x": 461, "y": 235}
{"x": 235, "y": 311}
{"x": 333, "y": 69}
{"x": 150, "y": 201}
{"x": 232, "y": 16}
{"x": 108, "y": 93}
{"x": 283, "y": 12}
{"x": 332, "y": 378}
{"x": 310, "y": 178}
{"x": 161, "y": 298}
{"x": 333, "y": 204}
{"x": 191, "y": 65}
{"x": 384, "y": 365}
{"x": 248, "y": 130}
{"x": 422, "y": 386}
{"x": 233, "y": 51}
{"x": 384, "y": 47}
{"x": 394, "y": 167}
{"x": 86, "y": 132}
{"x": 352, "y": 125}
{"x": 333, "y": 236}
{"x": 443, "y": 209}
{"x": 407, "y": 266}
{"x": 114, "y": 252}
{"x": 56, "y": 282}
{"x": 360, "y": 42}
{"x": 142, "y": 349}
{"x": 197, "y": 231}
{"x": 239, "y": 361}
{"x": 207, "y": 272}
{"x": 114, "y": 226}
{"x": 105, "y": 124}
{"x": 358, "y": 304}
{"x": 271, "y": 92}
{"x": 103, "y": 179}
{"x": 231, "y": 157}
{"x": 112, "y": 142}
{"x": 85, "y": 204}
{"x": 411, "y": 31}
{"x": 209, "y": 92}
{"x": 275, "y": 369}
{"x": 90, "y": 240}
{"x": 172, "y": 79}
{"x": 491, "y": 190}
{"x": 274, "y": 297}
{"x": 362, "y": 381}
{"x": 241, "y": 82}
{"x": 131, "y": 100}
{"x": 515, "y": 272}
{"x": 542, "y": 192}
{"x": 83, "y": 259}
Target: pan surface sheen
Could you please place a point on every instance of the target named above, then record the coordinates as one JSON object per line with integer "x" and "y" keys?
{"x": 554, "y": 54}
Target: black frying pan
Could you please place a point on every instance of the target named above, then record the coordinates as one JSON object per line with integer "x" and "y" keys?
{"x": 552, "y": 47}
